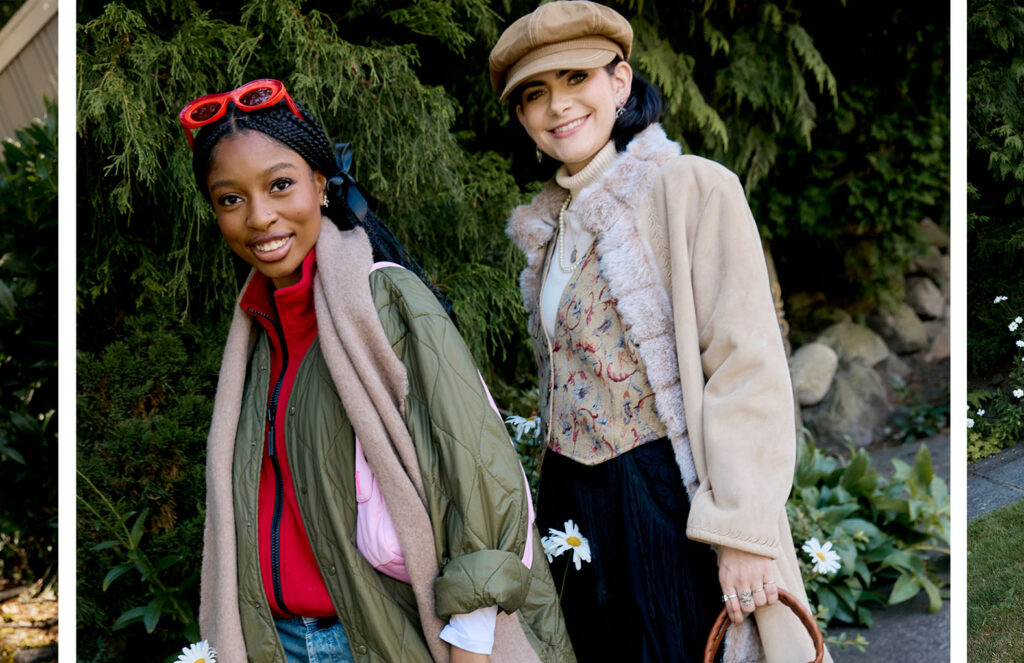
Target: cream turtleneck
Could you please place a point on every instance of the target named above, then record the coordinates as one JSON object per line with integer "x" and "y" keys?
{"x": 575, "y": 236}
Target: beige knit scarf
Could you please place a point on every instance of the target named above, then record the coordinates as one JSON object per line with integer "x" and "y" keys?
{"x": 372, "y": 384}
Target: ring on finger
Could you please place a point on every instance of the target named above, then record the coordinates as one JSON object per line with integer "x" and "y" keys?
{"x": 746, "y": 598}
{"x": 759, "y": 589}
{"x": 726, "y": 597}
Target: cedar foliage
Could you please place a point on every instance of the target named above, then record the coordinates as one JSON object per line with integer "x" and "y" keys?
{"x": 995, "y": 179}
{"x": 28, "y": 351}
{"x": 748, "y": 82}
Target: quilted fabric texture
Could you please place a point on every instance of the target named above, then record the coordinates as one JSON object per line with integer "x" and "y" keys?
{"x": 472, "y": 478}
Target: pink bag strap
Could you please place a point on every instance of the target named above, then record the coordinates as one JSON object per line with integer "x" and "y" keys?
{"x": 528, "y": 553}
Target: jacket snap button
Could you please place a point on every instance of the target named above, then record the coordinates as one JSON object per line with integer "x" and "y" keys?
{"x": 291, "y": 410}
{"x": 361, "y": 649}
{"x": 332, "y": 570}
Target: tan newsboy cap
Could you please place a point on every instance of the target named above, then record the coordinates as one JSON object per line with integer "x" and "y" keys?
{"x": 568, "y": 34}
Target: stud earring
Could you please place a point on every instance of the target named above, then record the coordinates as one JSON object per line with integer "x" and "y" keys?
{"x": 540, "y": 155}
{"x": 326, "y": 203}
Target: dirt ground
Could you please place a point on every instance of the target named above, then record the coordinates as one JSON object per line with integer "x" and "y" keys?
{"x": 27, "y": 622}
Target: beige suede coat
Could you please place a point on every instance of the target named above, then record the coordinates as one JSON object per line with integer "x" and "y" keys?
{"x": 683, "y": 257}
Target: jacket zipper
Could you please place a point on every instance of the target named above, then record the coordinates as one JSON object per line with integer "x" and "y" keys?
{"x": 275, "y": 525}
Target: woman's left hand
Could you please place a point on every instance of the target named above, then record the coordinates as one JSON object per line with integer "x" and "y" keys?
{"x": 740, "y": 572}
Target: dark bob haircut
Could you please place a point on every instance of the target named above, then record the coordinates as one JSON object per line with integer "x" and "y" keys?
{"x": 642, "y": 109}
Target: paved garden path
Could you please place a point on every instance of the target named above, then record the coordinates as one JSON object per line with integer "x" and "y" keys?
{"x": 995, "y": 481}
{"x": 905, "y": 633}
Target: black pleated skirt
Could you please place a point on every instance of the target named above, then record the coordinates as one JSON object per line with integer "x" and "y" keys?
{"x": 650, "y": 594}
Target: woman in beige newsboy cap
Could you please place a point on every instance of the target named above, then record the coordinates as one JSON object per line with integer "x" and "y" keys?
{"x": 665, "y": 390}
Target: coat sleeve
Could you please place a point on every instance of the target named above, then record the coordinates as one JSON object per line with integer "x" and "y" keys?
{"x": 476, "y": 492}
{"x": 746, "y": 413}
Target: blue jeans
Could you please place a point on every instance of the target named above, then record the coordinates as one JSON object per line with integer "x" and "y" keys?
{"x": 313, "y": 640}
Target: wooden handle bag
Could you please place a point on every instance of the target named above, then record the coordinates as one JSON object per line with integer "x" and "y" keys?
{"x": 722, "y": 623}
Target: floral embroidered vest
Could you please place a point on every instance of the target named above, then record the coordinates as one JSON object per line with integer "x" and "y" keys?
{"x": 594, "y": 389}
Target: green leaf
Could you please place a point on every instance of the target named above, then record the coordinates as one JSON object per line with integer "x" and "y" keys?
{"x": 114, "y": 574}
{"x": 151, "y": 614}
{"x": 128, "y": 617}
{"x": 906, "y": 588}
{"x": 923, "y": 467}
{"x": 104, "y": 545}
{"x": 934, "y": 595}
{"x": 137, "y": 529}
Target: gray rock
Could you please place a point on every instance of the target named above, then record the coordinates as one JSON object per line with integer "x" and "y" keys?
{"x": 925, "y": 297}
{"x": 812, "y": 368}
{"x": 44, "y": 654}
{"x": 896, "y": 369}
{"x": 934, "y": 264}
{"x": 901, "y": 329}
{"x": 852, "y": 341}
{"x": 939, "y": 348}
{"x": 932, "y": 234}
{"x": 853, "y": 411}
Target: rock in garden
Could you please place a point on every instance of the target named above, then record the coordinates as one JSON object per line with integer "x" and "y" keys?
{"x": 932, "y": 234}
{"x": 44, "y": 654}
{"x": 852, "y": 341}
{"x": 925, "y": 297}
{"x": 896, "y": 369}
{"x": 853, "y": 411}
{"x": 812, "y": 368}
{"x": 939, "y": 349}
{"x": 901, "y": 329}
{"x": 934, "y": 264}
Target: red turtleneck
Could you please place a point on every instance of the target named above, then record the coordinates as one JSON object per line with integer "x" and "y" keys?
{"x": 291, "y": 577}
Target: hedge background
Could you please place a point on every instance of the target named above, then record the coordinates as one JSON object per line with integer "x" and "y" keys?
{"x": 834, "y": 115}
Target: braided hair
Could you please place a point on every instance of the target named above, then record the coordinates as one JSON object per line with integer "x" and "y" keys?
{"x": 307, "y": 138}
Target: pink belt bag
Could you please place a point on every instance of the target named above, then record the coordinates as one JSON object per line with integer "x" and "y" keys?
{"x": 376, "y": 537}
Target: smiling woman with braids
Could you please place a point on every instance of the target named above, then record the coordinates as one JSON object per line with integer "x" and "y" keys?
{"x": 345, "y": 386}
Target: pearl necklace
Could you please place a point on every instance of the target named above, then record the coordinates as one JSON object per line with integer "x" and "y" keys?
{"x": 561, "y": 239}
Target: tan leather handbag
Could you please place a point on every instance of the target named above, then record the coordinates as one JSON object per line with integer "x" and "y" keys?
{"x": 722, "y": 623}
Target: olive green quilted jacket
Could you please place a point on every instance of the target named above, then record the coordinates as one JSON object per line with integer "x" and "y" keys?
{"x": 473, "y": 481}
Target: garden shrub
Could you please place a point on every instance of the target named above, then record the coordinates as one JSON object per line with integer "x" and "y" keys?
{"x": 28, "y": 351}
{"x": 885, "y": 531}
{"x": 144, "y": 409}
{"x": 995, "y": 232}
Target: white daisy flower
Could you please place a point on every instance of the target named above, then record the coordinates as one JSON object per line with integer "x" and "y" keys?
{"x": 198, "y": 652}
{"x": 1018, "y": 319}
{"x": 970, "y": 422}
{"x": 999, "y": 298}
{"x": 558, "y": 542}
{"x": 1020, "y": 343}
{"x": 1019, "y": 393}
{"x": 825, "y": 559}
{"x": 981, "y": 412}
{"x": 523, "y": 426}
{"x": 1012, "y": 326}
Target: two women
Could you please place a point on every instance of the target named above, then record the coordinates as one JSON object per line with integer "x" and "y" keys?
{"x": 665, "y": 392}
{"x": 664, "y": 383}
{"x": 344, "y": 380}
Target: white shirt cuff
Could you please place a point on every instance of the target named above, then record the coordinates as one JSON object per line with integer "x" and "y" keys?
{"x": 473, "y": 631}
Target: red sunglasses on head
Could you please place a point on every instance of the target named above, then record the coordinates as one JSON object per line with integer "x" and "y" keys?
{"x": 261, "y": 93}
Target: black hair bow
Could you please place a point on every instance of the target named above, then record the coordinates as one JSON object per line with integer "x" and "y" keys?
{"x": 343, "y": 186}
